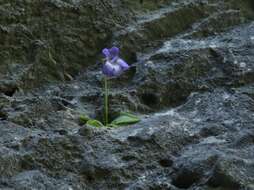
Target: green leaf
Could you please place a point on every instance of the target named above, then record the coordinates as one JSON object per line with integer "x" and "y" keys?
{"x": 83, "y": 119}
{"x": 112, "y": 125}
{"x": 125, "y": 119}
{"x": 94, "y": 123}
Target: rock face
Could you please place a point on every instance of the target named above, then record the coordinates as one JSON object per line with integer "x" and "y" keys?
{"x": 53, "y": 39}
{"x": 191, "y": 81}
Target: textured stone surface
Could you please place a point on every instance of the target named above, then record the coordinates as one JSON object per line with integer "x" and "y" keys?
{"x": 191, "y": 82}
{"x": 53, "y": 39}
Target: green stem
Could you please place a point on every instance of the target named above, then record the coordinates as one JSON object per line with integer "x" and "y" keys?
{"x": 106, "y": 100}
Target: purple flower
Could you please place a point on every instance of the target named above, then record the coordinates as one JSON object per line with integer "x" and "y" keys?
{"x": 114, "y": 65}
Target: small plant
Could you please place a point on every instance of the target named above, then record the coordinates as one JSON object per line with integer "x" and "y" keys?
{"x": 113, "y": 67}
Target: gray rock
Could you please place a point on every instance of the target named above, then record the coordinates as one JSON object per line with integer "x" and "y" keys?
{"x": 190, "y": 82}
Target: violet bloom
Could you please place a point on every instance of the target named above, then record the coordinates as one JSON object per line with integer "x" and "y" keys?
{"x": 114, "y": 65}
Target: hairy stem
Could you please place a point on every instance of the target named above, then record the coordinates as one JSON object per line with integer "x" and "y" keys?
{"x": 106, "y": 100}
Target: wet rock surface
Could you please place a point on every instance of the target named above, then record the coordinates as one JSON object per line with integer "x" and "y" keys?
{"x": 191, "y": 81}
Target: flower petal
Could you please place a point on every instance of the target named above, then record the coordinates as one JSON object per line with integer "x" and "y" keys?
{"x": 106, "y": 52}
{"x": 114, "y": 51}
{"x": 106, "y": 71}
{"x": 109, "y": 69}
{"x": 123, "y": 64}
